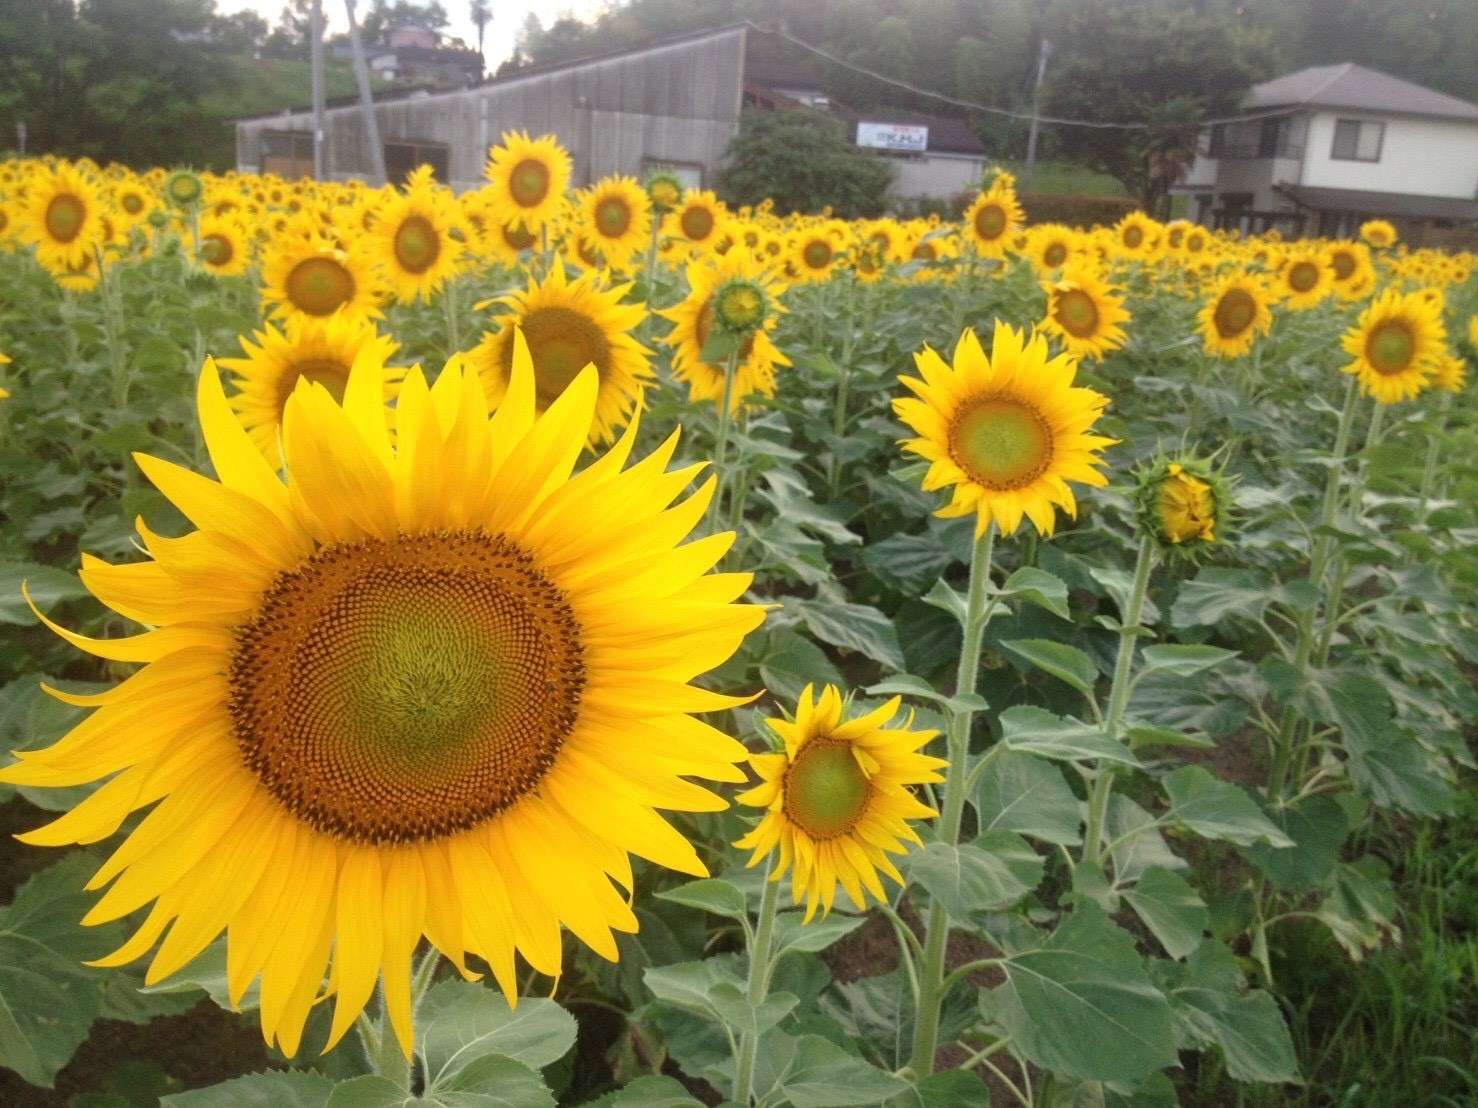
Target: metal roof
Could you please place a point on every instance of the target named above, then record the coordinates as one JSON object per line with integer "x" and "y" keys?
{"x": 1382, "y": 203}
{"x": 1353, "y": 86}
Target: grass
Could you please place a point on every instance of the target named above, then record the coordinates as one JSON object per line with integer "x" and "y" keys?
{"x": 1056, "y": 178}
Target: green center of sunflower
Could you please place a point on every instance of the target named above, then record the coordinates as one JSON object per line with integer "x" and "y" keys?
{"x": 319, "y": 286}
{"x": 1303, "y": 276}
{"x": 1195, "y": 243}
{"x": 817, "y": 254}
{"x": 401, "y": 691}
{"x": 1390, "y": 347}
{"x": 613, "y": 217}
{"x": 562, "y": 342}
{"x": 1001, "y": 443}
{"x": 216, "y": 250}
{"x": 825, "y": 789}
{"x": 697, "y": 223}
{"x": 1133, "y": 236}
{"x": 529, "y": 183}
{"x": 1234, "y": 313}
{"x": 64, "y": 217}
{"x": 417, "y": 245}
{"x": 1076, "y": 313}
{"x": 1343, "y": 263}
{"x": 1054, "y": 255}
{"x": 990, "y": 222}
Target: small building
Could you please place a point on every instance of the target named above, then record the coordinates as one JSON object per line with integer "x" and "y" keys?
{"x": 1322, "y": 150}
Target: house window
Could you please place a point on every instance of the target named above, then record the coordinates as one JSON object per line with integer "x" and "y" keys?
{"x": 1357, "y": 140}
{"x": 404, "y": 158}
{"x": 289, "y": 154}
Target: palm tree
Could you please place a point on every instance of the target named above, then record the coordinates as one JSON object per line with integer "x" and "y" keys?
{"x": 481, "y": 15}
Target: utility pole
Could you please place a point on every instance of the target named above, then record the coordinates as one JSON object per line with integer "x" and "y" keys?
{"x": 1031, "y": 138}
{"x": 366, "y": 101}
{"x": 315, "y": 63}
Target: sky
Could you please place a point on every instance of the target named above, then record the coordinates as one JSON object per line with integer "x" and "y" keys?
{"x": 499, "y": 35}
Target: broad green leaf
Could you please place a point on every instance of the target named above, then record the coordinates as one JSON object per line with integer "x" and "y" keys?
{"x": 1318, "y": 826}
{"x": 460, "y": 1021}
{"x": 947, "y": 599}
{"x": 1080, "y": 1004}
{"x": 713, "y": 894}
{"x": 791, "y": 661}
{"x": 1218, "y": 592}
{"x": 1090, "y": 882}
{"x": 1036, "y": 731}
{"x": 732, "y": 1007}
{"x": 1037, "y": 586}
{"x": 907, "y": 563}
{"x": 1141, "y": 736}
{"x": 1119, "y": 583}
{"x": 1023, "y": 793}
{"x": 1183, "y": 660}
{"x": 856, "y": 627}
{"x": 1387, "y": 763}
{"x": 951, "y": 1089}
{"x": 1066, "y": 663}
{"x": 48, "y": 998}
{"x": 651, "y": 1091}
{"x": 373, "y": 1091}
{"x": 812, "y": 1072}
{"x": 793, "y": 501}
{"x": 989, "y": 875}
{"x": 791, "y": 934}
{"x": 1217, "y": 810}
{"x": 48, "y": 587}
{"x": 879, "y": 1011}
{"x": 1140, "y": 844}
{"x": 1171, "y": 910}
{"x": 1359, "y": 906}
{"x": 207, "y": 971}
{"x": 491, "y": 1081}
{"x": 1154, "y": 1091}
{"x": 691, "y": 985}
{"x": 906, "y": 684}
{"x": 272, "y": 1089}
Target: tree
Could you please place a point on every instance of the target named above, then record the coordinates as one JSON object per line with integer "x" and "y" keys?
{"x": 803, "y": 161}
{"x": 385, "y": 14}
{"x": 481, "y": 16}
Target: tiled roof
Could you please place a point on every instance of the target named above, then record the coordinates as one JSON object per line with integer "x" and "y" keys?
{"x": 1353, "y": 86}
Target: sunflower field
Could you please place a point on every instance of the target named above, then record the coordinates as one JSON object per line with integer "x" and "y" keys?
{"x": 593, "y": 646}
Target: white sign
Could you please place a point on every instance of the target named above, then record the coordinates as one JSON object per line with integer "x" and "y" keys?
{"x": 893, "y": 136}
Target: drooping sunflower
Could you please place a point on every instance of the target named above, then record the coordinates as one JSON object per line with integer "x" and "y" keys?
{"x": 1084, "y": 312}
{"x": 306, "y": 274}
{"x": 529, "y": 178}
{"x": 992, "y": 221}
{"x": 1306, "y": 277}
{"x": 569, "y": 325}
{"x": 418, "y": 238}
{"x": 436, "y": 688}
{"x": 1234, "y": 315}
{"x": 837, "y": 801}
{"x": 1395, "y": 344}
{"x": 62, "y": 216}
{"x": 320, "y": 351}
{"x": 224, "y": 245}
{"x": 616, "y": 213}
{"x": 1006, "y": 433}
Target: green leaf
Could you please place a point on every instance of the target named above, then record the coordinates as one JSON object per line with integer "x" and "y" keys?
{"x": 1144, "y": 735}
{"x": 1037, "y": 586}
{"x": 856, "y": 627}
{"x": 1171, "y": 910}
{"x": 1217, "y": 810}
{"x": 370, "y": 1091}
{"x": 714, "y": 894}
{"x": 944, "y": 597}
{"x": 812, "y": 1072}
{"x": 791, "y": 934}
{"x": 1036, "y": 731}
{"x": 48, "y": 998}
{"x": 690, "y": 985}
{"x": 721, "y": 343}
{"x": 1359, "y": 906}
{"x": 48, "y": 587}
{"x": 1318, "y": 826}
{"x": 207, "y": 970}
{"x": 791, "y": 661}
{"x": 651, "y": 1091}
{"x": 272, "y": 1089}
{"x": 880, "y": 1012}
{"x": 1218, "y": 592}
{"x": 793, "y": 501}
{"x": 989, "y": 875}
{"x": 1067, "y": 663}
{"x": 951, "y": 1089}
{"x": 906, "y": 684}
{"x": 1080, "y": 1003}
{"x": 491, "y": 1081}
{"x": 1211, "y": 1009}
{"x": 907, "y": 563}
{"x": 1119, "y": 584}
{"x": 1388, "y": 764}
{"x": 462, "y": 1021}
{"x": 1022, "y": 793}
{"x": 1140, "y": 843}
{"x": 1183, "y": 660}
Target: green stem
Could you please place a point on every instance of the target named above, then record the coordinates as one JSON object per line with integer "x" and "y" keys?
{"x": 1341, "y": 564}
{"x": 1434, "y": 443}
{"x": 113, "y": 332}
{"x": 453, "y": 317}
{"x": 1103, "y": 783}
{"x": 758, "y": 986}
{"x": 844, "y": 381}
{"x": 721, "y": 437}
{"x": 936, "y": 928}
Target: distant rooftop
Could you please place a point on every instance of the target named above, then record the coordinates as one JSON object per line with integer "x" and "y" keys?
{"x": 1353, "y": 86}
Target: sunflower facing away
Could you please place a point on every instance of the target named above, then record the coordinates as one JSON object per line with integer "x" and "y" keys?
{"x": 1007, "y": 432}
{"x": 1396, "y": 344}
{"x": 837, "y": 799}
{"x": 569, "y": 325}
{"x": 1236, "y": 313}
{"x": 437, "y": 688}
{"x": 1084, "y": 313}
{"x": 529, "y": 178}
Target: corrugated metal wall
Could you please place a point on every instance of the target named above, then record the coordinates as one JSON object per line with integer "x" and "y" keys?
{"x": 677, "y": 103}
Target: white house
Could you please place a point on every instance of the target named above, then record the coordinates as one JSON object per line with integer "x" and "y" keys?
{"x": 1319, "y": 151}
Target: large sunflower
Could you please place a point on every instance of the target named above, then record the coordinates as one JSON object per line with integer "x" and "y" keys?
{"x": 529, "y": 178}
{"x": 1236, "y": 313}
{"x": 418, "y": 238}
{"x": 617, "y": 215}
{"x": 1008, "y": 432}
{"x": 838, "y": 800}
{"x": 1396, "y": 344}
{"x": 320, "y": 351}
{"x": 436, "y": 688}
{"x": 62, "y": 216}
{"x": 1084, "y": 313}
{"x": 569, "y": 325}
{"x": 306, "y": 274}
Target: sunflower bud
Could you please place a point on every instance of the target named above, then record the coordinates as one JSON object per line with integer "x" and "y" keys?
{"x": 740, "y": 305}
{"x": 1184, "y": 503}
{"x": 665, "y": 191}
{"x": 184, "y": 188}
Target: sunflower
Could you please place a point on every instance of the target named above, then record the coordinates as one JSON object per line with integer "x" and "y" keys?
{"x": 1236, "y": 313}
{"x": 1378, "y": 234}
{"x": 306, "y": 274}
{"x": 320, "y": 351}
{"x": 61, "y": 216}
{"x": 1396, "y": 344}
{"x": 436, "y": 688}
{"x": 699, "y": 218}
{"x": 1449, "y": 372}
{"x": 569, "y": 325}
{"x": 993, "y": 220}
{"x": 837, "y": 801}
{"x": 617, "y": 216}
{"x": 1137, "y": 236}
{"x": 529, "y": 179}
{"x": 1353, "y": 270}
{"x": 224, "y": 245}
{"x": 1084, "y": 313}
{"x": 417, "y": 237}
{"x": 1183, "y": 502}
{"x": 1007, "y": 432}
{"x": 1306, "y": 277}
{"x": 1050, "y": 246}
{"x": 814, "y": 251}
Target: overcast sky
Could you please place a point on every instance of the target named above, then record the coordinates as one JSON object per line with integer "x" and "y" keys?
{"x": 498, "y": 37}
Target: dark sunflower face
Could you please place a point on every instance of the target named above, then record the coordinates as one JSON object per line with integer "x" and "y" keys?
{"x": 1391, "y": 347}
{"x": 1076, "y": 313}
{"x": 817, "y": 254}
{"x": 65, "y": 216}
{"x": 417, "y": 244}
{"x": 216, "y": 251}
{"x": 697, "y": 222}
{"x": 529, "y": 183}
{"x": 1303, "y": 276}
{"x": 319, "y": 286}
{"x": 990, "y": 222}
{"x": 1234, "y": 313}
{"x": 331, "y": 373}
{"x": 613, "y": 217}
{"x": 1054, "y": 255}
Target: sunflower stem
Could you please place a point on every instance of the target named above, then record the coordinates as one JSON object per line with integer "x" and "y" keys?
{"x": 936, "y": 927}
{"x": 721, "y": 437}
{"x": 844, "y": 381}
{"x": 450, "y": 304}
{"x": 1434, "y": 444}
{"x": 1103, "y": 783}
{"x": 758, "y": 986}
{"x": 113, "y": 332}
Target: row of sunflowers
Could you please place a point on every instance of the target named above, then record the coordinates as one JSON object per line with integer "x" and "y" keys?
{"x": 480, "y": 529}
